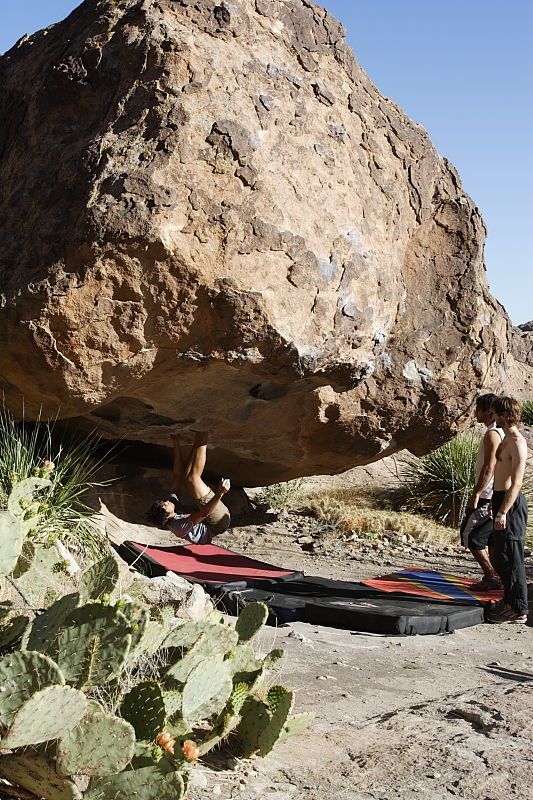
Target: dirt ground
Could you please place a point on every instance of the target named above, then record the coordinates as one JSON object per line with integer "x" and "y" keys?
{"x": 397, "y": 718}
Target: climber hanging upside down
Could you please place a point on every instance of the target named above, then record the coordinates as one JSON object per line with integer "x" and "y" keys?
{"x": 210, "y": 516}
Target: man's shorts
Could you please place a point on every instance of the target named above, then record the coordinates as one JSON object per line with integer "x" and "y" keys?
{"x": 477, "y": 527}
{"x": 218, "y": 520}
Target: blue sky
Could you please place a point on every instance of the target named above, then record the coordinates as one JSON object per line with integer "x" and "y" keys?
{"x": 461, "y": 68}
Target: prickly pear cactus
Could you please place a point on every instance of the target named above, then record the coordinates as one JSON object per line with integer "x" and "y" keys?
{"x": 255, "y": 719}
{"x": 41, "y": 576}
{"x": 207, "y": 689}
{"x": 296, "y": 724}
{"x": 99, "y": 745}
{"x": 144, "y": 707}
{"x": 185, "y": 634}
{"x": 25, "y": 559}
{"x": 243, "y": 663}
{"x": 13, "y": 631}
{"x": 280, "y": 701}
{"x": 11, "y": 541}
{"x": 22, "y": 499}
{"x": 138, "y": 617}
{"x": 215, "y": 640}
{"x": 99, "y": 579}
{"x": 272, "y": 658}
{"x": 43, "y": 632}
{"x": 153, "y": 637}
{"x": 148, "y": 783}
{"x": 21, "y": 675}
{"x": 251, "y": 620}
{"x": 92, "y": 645}
{"x": 37, "y": 775}
{"x": 45, "y": 716}
{"x": 173, "y": 703}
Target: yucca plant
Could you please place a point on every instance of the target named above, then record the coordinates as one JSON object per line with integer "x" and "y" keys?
{"x": 527, "y": 412}
{"x": 35, "y": 449}
{"x": 440, "y": 483}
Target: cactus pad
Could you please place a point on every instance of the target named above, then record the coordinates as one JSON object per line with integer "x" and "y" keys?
{"x": 21, "y": 675}
{"x": 147, "y": 783}
{"x": 99, "y": 745}
{"x": 144, "y": 708}
{"x": 138, "y": 618}
{"x": 272, "y": 658}
{"x": 185, "y": 634}
{"x": 243, "y": 663}
{"x": 296, "y": 724}
{"x": 282, "y": 699}
{"x": 23, "y": 494}
{"x": 207, "y": 689}
{"x": 13, "y": 630}
{"x": 153, "y": 637}
{"x": 238, "y": 697}
{"x": 255, "y": 719}
{"x": 92, "y": 644}
{"x": 173, "y": 701}
{"x": 11, "y": 540}
{"x": 42, "y": 635}
{"x": 251, "y": 620}
{"x": 45, "y": 716}
{"x": 37, "y": 775}
{"x": 215, "y": 640}
{"x": 100, "y": 578}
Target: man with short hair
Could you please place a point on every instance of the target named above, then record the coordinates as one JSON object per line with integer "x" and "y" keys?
{"x": 476, "y": 528}
{"x": 509, "y": 509}
{"x": 210, "y": 516}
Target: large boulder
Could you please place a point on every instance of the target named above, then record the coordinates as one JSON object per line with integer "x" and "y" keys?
{"x": 209, "y": 213}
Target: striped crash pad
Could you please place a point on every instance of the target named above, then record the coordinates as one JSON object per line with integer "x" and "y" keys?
{"x": 436, "y": 585}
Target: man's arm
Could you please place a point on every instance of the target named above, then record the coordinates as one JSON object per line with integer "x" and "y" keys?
{"x": 491, "y": 440}
{"x": 203, "y": 512}
{"x": 518, "y": 457}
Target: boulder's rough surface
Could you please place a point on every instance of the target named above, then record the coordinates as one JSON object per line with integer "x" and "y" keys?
{"x": 519, "y": 363}
{"x": 210, "y": 213}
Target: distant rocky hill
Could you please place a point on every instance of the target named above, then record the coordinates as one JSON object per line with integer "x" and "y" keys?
{"x": 210, "y": 213}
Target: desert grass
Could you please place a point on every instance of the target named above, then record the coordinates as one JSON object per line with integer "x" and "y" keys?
{"x": 351, "y": 510}
{"x": 74, "y": 465}
{"x": 287, "y": 495}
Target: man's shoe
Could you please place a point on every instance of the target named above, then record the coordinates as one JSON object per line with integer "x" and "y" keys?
{"x": 488, "y": 584}
{"x": 506, "y": 614}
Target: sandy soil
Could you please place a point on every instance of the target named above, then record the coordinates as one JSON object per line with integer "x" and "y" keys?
{"x": 397, "y": 718}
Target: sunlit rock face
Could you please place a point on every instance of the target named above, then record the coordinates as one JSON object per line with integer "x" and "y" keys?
{"x": 209, "y": 213}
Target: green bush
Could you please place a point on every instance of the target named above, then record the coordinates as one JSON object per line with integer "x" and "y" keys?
{"x": 527, "y": 412}
{"x": 34, "y": 450}
{"x": 440, "y": 483}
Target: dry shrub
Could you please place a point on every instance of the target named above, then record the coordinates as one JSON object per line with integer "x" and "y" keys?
{"x": 349, "y": 510}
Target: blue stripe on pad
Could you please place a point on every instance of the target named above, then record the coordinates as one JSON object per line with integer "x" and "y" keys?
{"x": 438, "y": 583}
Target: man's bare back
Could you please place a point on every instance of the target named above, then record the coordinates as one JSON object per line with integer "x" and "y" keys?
{"x": 512, "y": 450}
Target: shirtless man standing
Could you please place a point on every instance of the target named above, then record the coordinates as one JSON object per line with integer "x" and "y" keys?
{"x": 509, "y": 509}
{"x": 476, "y": 529}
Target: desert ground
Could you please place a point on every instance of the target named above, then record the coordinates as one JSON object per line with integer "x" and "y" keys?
{"x": 397, "y": 718}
